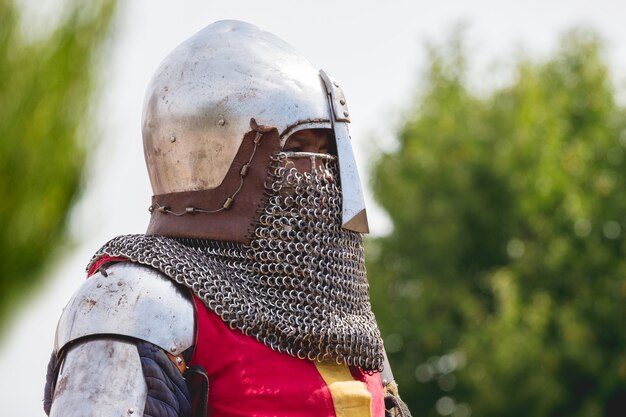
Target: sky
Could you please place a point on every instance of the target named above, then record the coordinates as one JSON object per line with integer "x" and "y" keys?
{"x": 375, "y": 49}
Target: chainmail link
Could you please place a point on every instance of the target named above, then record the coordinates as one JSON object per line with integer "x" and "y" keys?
{"x": 299, "y": 288}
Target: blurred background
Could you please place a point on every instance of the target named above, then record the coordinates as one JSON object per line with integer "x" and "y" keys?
{"x": 492, "y": 137}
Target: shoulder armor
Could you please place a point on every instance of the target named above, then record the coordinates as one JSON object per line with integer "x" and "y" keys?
{"x": 130, "y": 300}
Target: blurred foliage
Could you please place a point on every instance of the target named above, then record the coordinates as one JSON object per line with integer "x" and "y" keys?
{"x": 46, "y": 85}
{"x": 501, "y": 290}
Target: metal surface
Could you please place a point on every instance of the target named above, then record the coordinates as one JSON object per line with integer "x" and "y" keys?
{"x": 100, "y": 378}
{"x": 387, "y": 374}
{"x": 130, "y": 300}
{"x": 337, "y": 98}
{"x": 200, "y": 101}
{"x": 300, "y": 287}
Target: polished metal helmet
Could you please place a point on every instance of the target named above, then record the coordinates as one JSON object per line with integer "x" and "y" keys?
{"x": 204, "y": 96}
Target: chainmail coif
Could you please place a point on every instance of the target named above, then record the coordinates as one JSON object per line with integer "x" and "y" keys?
{"x": 299, "y": 288}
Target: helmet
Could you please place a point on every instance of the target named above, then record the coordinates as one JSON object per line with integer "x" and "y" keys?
{"x": 217, "y": 108}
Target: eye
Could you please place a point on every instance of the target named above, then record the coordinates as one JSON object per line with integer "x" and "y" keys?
{"x": 293, "y": 149}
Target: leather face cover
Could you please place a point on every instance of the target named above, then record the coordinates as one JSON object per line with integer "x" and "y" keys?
{"x": 201, "y": 214}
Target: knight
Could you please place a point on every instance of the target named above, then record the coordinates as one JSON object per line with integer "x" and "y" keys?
{"x": 248, "y": 293}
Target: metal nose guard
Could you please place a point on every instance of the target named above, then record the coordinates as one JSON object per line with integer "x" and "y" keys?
{"x": 354, "y": 216}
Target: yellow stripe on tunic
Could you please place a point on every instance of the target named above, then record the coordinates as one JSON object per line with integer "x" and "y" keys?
{"x": 350, "y": 398}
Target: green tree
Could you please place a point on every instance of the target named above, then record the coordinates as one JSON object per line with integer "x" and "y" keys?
{"x": 46, "y": 85}
{"x": 501, "y": 290}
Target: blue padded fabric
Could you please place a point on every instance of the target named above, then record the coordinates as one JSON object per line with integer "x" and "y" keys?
{"x": 168, "y": 395}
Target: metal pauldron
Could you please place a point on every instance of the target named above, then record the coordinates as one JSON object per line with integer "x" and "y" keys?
{"x": 129, "y": 300}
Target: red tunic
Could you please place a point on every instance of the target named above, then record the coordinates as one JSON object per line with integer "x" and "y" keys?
{"x": 247, "y": 378}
